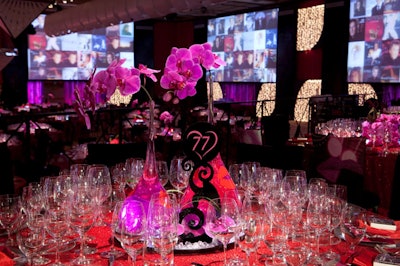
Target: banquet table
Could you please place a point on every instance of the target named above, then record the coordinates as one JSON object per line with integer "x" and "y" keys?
{"x": 100, "y": 238}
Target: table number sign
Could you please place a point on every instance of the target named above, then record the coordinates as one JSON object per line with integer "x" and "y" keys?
{"x": 208, "y": 181}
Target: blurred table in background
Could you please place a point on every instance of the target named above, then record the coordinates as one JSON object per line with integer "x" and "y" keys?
{"x": 380, "y": 175}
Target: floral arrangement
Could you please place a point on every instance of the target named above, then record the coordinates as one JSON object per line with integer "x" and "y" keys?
{"x": 383, "y": 130}
{"x": 183, "y": 69}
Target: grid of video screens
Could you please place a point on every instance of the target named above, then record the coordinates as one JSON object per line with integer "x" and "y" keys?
{"x": 74, "y": 56}
{"x": 374, "y": 45}
{"x": 248, "y": 44}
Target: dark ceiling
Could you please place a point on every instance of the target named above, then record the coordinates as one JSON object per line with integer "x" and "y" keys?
{"x": 208, "y": 8}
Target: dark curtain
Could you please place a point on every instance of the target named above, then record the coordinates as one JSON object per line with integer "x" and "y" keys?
{"x": 240, "y": 92}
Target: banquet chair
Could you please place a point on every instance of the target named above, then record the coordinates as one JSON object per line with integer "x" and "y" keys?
{"x": 342, "y": 161}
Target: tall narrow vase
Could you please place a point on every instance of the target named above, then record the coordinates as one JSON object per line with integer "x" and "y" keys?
{"x": 149, "y": 183}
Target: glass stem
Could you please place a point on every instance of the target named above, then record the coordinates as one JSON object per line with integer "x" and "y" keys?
{"x": 82, "y": 247}
{"x": 225, "y": 257}
{"x": 58, "y": 251}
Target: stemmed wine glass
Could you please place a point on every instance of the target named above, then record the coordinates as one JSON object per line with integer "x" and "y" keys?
{"x": 134, "y": 169}
{"x": 28, "y": 243}
{"x": 252, "y": 218}
{"x": 78, "y": 171}
{"x": 130, "y": 227}
{"x": 10, "y": 209}
{"x": 240, "y": 196}
{"x": 163, "y": 172}
{"x": 82, "y": 217}
{"x": 239, "y": 173}
{"x": 178, "y": 176}
{"x": 162, "y": 235}
{"x": 100, "y": 179}
{"x": 250, "y": 184}
{"x": 114, "y": 253}
{"x": 336, "y": 207}
{"x": 37, "y": 224}
{"x": 222, "y": 221}
{"x": 318, "y": 220}
{"x": 354, "y": 225}
{"x": 56, "y": 222}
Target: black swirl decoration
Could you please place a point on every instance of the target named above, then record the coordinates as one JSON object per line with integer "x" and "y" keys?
{"x": 201, "y": 145}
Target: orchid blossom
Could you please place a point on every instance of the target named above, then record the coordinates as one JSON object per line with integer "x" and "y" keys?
{"x": 166, "y": 117}
{"x": 183, "y": 68}
{"x": 105, "y": 82}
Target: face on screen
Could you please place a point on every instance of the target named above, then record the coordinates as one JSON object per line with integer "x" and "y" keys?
{"x": 247, "y": 43}
{"x": 374, "y": 33}
{"x": 75, "y": 56}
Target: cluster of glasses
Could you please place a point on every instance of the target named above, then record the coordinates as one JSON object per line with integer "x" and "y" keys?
{"x": 129, "y": 173}
{"x": 52, "y": 215}
{"x": 341, "y": 127}
{"x": 292, "y": 215}
{"x": 149, "y": 231}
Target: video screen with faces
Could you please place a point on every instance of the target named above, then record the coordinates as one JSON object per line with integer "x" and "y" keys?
{"x": 247, "y": 43}
{"x": 75, "y": 56}
{"x": 374, "y": 41}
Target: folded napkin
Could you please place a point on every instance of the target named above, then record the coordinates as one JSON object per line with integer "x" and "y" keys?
{"x": 362, "y": 257}
{"x": 365, "y": 258}
{"x": 386, "y": 233}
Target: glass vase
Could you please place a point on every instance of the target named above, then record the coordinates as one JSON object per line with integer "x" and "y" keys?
{"x": 149, "y": 183}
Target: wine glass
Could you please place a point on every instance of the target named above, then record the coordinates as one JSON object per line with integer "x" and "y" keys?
{"x": 179, "y": 176}
{"x": 250, "y": 184}
{"x": 134, "y": 168}
{"x": 10, "y": 208}
{"x": 222, "y": 221}
{"x": 162, "y": 235}
{"x": 78, "y": 171}
{"x": 131, "y": 227}
{"x": 239, "y": 173}
{"x": 113, "y": 253}
{"x": 82, "y": 217}
{"x": 28, "y": 243}
{"x": 100, "y": 180}
{"x": 239, "y": 195}
{"x": 56, "y": 223}
{"x": 318, "y": 220}
{"x": 336, "y": 206}
{"x": 163, "y": 172}
{"x": 354, "y": 225}
{"x": 36, "y": 221}
{"x": 252, "y": 222}
{"x": 277, "y": 227}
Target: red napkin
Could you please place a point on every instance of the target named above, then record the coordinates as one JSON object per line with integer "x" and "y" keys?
{"x": 365, "y": 258}
{"x": 6, "y": 260}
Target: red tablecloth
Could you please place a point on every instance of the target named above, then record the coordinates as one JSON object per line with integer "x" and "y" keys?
{"x": 379, "y": 175}
{"x": 101, "y": 239}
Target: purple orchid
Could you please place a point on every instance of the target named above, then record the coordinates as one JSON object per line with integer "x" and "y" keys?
{"x": 183, "y": 68}
{"x": 105, "y": 82}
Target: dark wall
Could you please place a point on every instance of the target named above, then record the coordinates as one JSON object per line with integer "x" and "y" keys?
{"x": 334, "y": 41}
{"x": 15, "y": 74}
